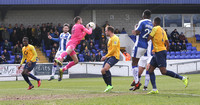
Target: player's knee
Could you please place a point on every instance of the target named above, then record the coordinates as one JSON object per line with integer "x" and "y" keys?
{"x": 76, "y": 61}
{"x": 54, "y": 63}
{"x": 163, "y": 72}
{"x": 103, "y": 71}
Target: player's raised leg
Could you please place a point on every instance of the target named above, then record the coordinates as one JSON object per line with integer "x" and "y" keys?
{"x": 69, "y": 65}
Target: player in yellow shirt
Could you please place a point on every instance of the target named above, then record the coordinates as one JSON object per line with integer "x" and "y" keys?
{"x": 30, "y": 55}
{"x": 160, "y": 48}
{"x": 111, "y": 58}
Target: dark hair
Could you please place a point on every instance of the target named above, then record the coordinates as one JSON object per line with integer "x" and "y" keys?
{"x": 77, "y": 18}
{"x": 25, "y": 38}
{"x": 147, "y": 13}
{"x": 66, "y": 24}
{"x": 110, "y": 28}
{"x": 157, "y": 20}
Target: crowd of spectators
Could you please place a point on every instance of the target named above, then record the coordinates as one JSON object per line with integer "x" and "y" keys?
{"x": 177, "y": 41}
{"x": 93, "y": 47}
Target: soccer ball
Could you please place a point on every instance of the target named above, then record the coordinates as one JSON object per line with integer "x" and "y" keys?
{"x": 92, "y": 25}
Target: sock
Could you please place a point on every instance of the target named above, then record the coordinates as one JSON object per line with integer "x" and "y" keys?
{"x": 174, "y": 75}
{"x": 135, "y": 74}
{"x": 69, "y": 65}
{"x": 109, "y": 77}
{"x": 27, "y": 80}
{"x": 105, "y": 79}
{"x": 139, "y": 78}
{"x": 153, "y": 80}
{"x": 147, "y": 78}
{"x": 33, "y": 77}
{"x": 54, "y": 70}
{"x": 62, "y": 55}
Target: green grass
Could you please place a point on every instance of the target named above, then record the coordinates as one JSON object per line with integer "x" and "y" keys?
{"x": 90, "y": 91}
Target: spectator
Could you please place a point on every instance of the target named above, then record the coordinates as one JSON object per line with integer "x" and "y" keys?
{"x": 174, "y": 32}
{"x": 178, "y": 47}
{"x": 5, "y": 35}
{"x": 3, "y": 59}
{"x": 48, "y": 27}
{"x": 127, "y": 56}
{"x": 1, "y": 30}
{"x": 97, "y": 33}
{"x": 82, "y": 47}
{"x": 91, "y": 46}
{"x": 7, "y": 45}
{"x": 45, "y": 38}
{"x": 168, "y": 36}
{"x": 17, "y": 59}
{"x": 103, "y": 47}
{"x": 104, "y": 41}
{"x": 85, "y": 51}
{"x": 59, "y": 28}
{"x": 177, "y": 38}
{"x": 123, "y": 31}
{"x": 14, "y": 37}
{"x": 38, "y": 36}
{"x": 117, "y": 31}
{"x": 87, "y": 57}
{"x": 6, "y": 54}
{"x": 93, "y": 58}
{"x": 52, "y": 34}
{"x": 52, "y": 55}
{"x": 98, "y": 57}
{"x": 172, "y": 47}
{"x": 22, "y": 33}
{"x": 10, "y": 29}
{"x": 55, "y": 46}
{"x": 184, "y": 47}
{"x": 16, "y": 50}
{"x": 105, "y": 25}
{"x": 70, "y": 28}
{"x": 182, "y": 37}
{"x": 29, "y": 32}
{"x": 103, "y": 52}
{"x": 16, "y": 28}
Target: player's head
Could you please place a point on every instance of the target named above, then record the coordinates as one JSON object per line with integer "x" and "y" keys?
{"x": 146, "y": 14}
{"x": 25, "y": 41}
{"x": 109, "y": 30}
{"x": 78, "y": 20}
{"x": 156, "y": 21}
{"x": 65, "y": 28}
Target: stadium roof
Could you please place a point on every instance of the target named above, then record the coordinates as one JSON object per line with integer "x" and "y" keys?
{"x": 47, "y": 2}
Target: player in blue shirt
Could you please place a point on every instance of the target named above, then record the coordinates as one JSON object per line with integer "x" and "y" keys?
{"x": 63, "y": 39}
{"x": 142, "y": 32}
{"x": 143, "y": 64}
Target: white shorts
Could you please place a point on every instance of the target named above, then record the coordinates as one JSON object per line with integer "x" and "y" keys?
{"x": 58, "y": 53}
{"x": 138, "y": 52}
{"x": 144, "y": 60}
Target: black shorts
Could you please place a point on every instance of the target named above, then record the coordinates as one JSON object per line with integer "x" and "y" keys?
{"x": 31, "y": 67}
{"x": 159, "y": 59}
{"x": 111, "y": 61}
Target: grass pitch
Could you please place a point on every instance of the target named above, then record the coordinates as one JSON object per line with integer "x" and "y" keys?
{"x": 90, "y": 91}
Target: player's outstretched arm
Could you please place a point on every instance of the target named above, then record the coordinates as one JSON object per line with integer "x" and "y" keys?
{"x": 87, "y": 30}
{"x": 54, "y": 39}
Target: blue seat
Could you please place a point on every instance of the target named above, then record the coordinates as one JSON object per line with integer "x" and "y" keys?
{"x": 188, "y": 52}
{"x": 172, "y": 53}
{"x": 94, "y": 51}
{"x": 193, "y": 57}
{"x": 193, "y": 52}
{"x": 168, "y": 53}
{"x": 183, "y": 53}
{"x": 189, "y": 44}
{"x": 182, "y": 57}
{"x": 79, "y": 46}
{"x": 78, "y": 50}
{"x": 189, "y": 48}
{"x": 172, "y": 57}
{"x": 80, "y": 55}
{"x": 96, "y": 46}
{"x": 81, "y": 59}
{"x": 11, "y": 61}
{"x": 197, "y": 52}
{"x": 12, "y": 57}
{"x": 48, "y": 51}
{"x": 194, "y": 48}
{"x": 178, "y": 53}
{"x": 198, "y": 57}
{"x": 48, "y": 54}
{"x": 168, "y": 56}
{"x": 177, "y": 57}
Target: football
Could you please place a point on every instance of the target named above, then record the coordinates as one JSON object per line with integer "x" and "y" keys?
{"x": 92, "y": 25}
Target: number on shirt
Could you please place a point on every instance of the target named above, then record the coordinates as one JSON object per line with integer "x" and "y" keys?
{"x": 148, "y": 32}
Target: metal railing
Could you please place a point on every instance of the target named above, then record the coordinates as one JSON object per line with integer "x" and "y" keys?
{"x": 182, "y": 63}
{"x": 93, "y": 63}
